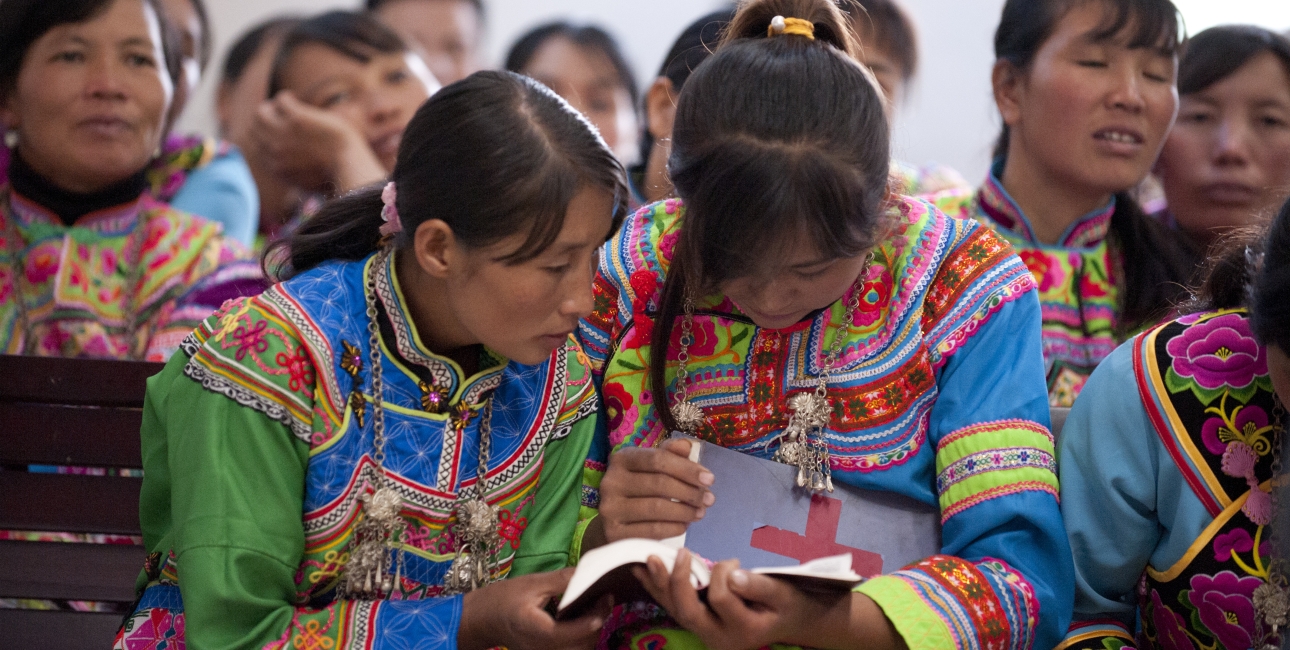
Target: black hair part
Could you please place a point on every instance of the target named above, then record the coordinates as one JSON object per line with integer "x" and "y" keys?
{"x": 23, "y": 22}
{"x": 587, "y": 37}
{"x": 695, "y": 44}
{"x": 1270, "y": 297}
{"x": 245, "y": 48}
{"x": 1217, "y": 52}
{"x": 884, "y": 24}
{"x": 478, "y": 5}
{"x": 492, "y": 155}
{"x": 776, "y": 139}
{"x": 356, "y": 35}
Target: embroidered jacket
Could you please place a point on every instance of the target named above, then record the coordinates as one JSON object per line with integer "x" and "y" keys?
{"x": 1076, "y": 281}
{"x": 938, "y": 395}
{"x": 1166, "y": 465}
{"x": 75, "y": 281}
{"x": 267, "y": 414}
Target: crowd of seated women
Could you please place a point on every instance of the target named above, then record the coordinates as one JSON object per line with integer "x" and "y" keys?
{"x": 399, "y": 290}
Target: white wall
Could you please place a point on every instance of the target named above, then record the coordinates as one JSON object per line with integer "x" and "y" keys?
{"x": 948, "y": 118}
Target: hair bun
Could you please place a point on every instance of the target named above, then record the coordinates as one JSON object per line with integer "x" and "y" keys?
{"x": 821, "y": 21}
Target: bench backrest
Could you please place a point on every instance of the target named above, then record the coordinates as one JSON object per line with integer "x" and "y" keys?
{"x": 80, "y": 413}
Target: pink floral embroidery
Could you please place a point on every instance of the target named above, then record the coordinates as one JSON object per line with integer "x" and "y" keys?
{"x": 1171, "y": 629}
{"x": 1218, "y": 353}
{"x": 1225, "y": 605}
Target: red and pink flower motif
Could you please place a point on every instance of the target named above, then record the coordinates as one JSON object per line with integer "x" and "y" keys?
{"x": 875, "y": 295}
{"x": 1047, "y": 275}
{"x": 1218, "y": 353}
{"x": 619, "y": 406}
{"x": 1171, "y": 629}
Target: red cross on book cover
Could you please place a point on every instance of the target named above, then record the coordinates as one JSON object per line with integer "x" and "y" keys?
{"x": 764, "y": 519}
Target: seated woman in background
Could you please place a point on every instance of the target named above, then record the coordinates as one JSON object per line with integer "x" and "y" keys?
{"x": 449, "y": 34}
{"x": 1226, "y": 163}
{"x": 243, "y": 86}
{"x": 1167, "y": 466}
{"x": 650, "y": 182}
{"x": 387, "y": 448}
{"x": 586, "y": 67}
{"x": 788, "y": 292}
{"x": 343, "y": 87}
{"x": 889, "y": 48}
{"x": 1086, "y": 91}
{"x": 204, "y": 176}
{"x": 92, "y": 264}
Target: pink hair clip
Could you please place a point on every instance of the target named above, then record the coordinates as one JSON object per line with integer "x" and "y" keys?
{"x": 390, "y": 213}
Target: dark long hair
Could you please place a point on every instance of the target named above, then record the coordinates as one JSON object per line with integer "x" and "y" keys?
{"x": 588, "y": 37}
{"x": 774, "y": 136}
{"x": 245, "y": 48}
{"x": 1157, "y": 263}
{"x": 1217, "y": 52}
{"x": 1270, "y": 297}
{"x": 23, "y": 22}
{"x": 492, "y": 155}
{"x": 695, "y": 44}
{"x": 355, "y": 35}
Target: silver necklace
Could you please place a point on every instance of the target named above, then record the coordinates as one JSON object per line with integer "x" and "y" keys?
{"x": 802, "y": 443}
{"x": 375, "y": 564}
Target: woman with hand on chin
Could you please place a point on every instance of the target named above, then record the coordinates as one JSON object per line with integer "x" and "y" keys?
{"x": 787, "y": 264}
{"x": 342, "y": 89}
{"x": 1087, "y": 94}
{"x": 93, "y": 265}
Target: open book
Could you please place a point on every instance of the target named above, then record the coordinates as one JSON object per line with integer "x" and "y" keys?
{"x": 608, "y": 570}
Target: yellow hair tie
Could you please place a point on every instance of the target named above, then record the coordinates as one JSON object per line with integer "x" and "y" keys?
{"x": 781, "y": 25}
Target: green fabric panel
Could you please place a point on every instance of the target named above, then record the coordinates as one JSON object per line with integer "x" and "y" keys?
{"x": 915, "y": 621}
{"x": 234, "y": 518}
{"x": 987, "y": 440}
{"x": 553, "y": 517}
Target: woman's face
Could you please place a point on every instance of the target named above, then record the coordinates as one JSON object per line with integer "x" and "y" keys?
{"x": 1089, "y": 114}
{"x": 525, "y": 311}
{"x": 182, "y": 14}
{"x": 587, "y": 80}
{"x": 448, "y": 32}
{"x": 91, "y": 98}
{"x": 886, "y": 70}
{"x": 784, "y": 291}
{"x": 1227, "y": 161}
{"x": 378, "y": 97}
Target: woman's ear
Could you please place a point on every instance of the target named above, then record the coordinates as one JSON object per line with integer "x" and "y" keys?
{"x": 660, "y": 108}
{"x": 1009, "y": 83}
{"x": 434, "y": 246}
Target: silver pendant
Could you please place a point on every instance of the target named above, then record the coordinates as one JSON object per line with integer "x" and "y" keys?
{"x": 687, "y": 416}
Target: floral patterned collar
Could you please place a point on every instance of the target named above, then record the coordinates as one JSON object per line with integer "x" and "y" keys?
{"x": 110, "y": 221}
{"x": 1087, "y": 232}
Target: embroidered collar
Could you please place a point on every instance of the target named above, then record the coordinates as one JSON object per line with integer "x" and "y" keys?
{"x": 434, "y": 369}
{"x": 70, "y": 208}
{"x": 1087, "y": 232}
{"x": 116, "y": 220}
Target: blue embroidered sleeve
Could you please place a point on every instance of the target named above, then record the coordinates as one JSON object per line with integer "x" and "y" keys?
{"x": 1005, "y": 555}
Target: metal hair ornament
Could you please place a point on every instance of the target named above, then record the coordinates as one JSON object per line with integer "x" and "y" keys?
{"x": 389, "y": 213}
{"x": 781, "y": 25}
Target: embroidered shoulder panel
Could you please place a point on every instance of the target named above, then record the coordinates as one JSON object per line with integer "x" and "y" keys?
{"x": 1205, "y": 384}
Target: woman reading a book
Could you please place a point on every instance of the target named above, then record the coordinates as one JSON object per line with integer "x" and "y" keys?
{"x": 315, "y": 457}
{"x": 790, "y": 307}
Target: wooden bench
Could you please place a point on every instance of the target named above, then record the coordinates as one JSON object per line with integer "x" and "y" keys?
{"x": 81, "y": 413}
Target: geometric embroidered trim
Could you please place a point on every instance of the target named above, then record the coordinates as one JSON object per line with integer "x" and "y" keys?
{"x": 275, "y": 411}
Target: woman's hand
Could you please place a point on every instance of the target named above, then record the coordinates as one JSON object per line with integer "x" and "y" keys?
{"x": 313, "y": 148}
{"x": 747, "y": 610}
{"x": 653, "y": 493}
{"x": 512, "y": 613}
